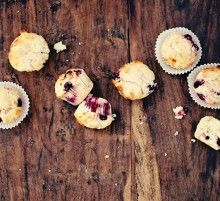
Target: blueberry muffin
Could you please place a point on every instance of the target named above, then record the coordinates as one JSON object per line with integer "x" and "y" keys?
{"x": 28, "y": 52}
{"x": 179, "y": 51}
{"x": 134, "y": 80}
{"x": 10, "y": 105}
{"x": 207, "y": 85}
{"x": 73, "y": 86}
{"x": 94, "y": 112}
{"x": 208, "y": 132}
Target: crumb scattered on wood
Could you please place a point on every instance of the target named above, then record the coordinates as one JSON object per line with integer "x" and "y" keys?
{"x": 193, "y": 140}
{"x": 59, "y": 47}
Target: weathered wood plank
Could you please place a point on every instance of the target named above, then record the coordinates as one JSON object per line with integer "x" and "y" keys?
{"x": 189, "y": 171}
{"x": 49, "y": 156}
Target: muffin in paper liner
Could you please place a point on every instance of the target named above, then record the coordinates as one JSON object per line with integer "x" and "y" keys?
{"x": 24, "y": 108}
{"x": 166, "y": 67}
{"x": 191, "y": 80}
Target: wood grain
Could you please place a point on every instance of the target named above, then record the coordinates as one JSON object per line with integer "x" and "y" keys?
{"x": 50, "y": 157}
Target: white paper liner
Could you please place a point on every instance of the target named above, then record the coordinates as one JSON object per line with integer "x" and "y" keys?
{"x": 160, "y": 39}
{"x": 192, "y": 78}
{"x": 25, "y": 104}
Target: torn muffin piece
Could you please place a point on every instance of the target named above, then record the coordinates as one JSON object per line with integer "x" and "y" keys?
{"x": 94, "y": 112}
{"x": 208, "y": 132}
{"x": 73, "y": 86}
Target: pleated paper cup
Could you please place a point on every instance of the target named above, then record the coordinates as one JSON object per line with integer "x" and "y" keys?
{"x": 25, "y": 104}
{"x": 191, "y": 80}
{"x": 166, "y": 67}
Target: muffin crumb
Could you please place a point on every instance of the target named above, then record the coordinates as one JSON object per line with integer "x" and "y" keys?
{"x": 59, "y": 46}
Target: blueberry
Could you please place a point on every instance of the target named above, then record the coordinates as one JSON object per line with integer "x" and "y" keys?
{"x": 115, "y": 76}
{"x": 151, "y": 87}
{"x": 196, "y": 47}
{"x": 218, "y": 141}
{"x": 201, "y": 96}
{"x": 188, "y": 37}
{"x": 69, "y": 72}
{"x": 55, "y": 6}
{"x": 0, "y": 120}
{"x": 207, "y": 137}
{"x": 102, "y": 117}
{"x": 19, "y": 104}
{"x": 198, "y": 83}
{"x": 78, "y": 72}
{"x": 68, "y": 86}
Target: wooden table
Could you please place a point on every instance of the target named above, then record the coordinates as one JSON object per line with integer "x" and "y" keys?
{"x": 51, "y": 157}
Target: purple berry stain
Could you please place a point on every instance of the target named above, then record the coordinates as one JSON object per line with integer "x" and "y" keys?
{"x": 68, "y": 86}
{"x": 198, "y": 83}
{"x": 92, "y": 103}
{"x": 71, "y": 100}
{"x": 102, "y": 117}
{"x": 188, "y": 37}
{"x": 201, "y": 96}
{"x": 78, "y": 72}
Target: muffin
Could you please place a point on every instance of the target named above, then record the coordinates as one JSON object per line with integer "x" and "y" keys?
{"x": 94, "y": 112}
{"x": 179, "y": 50}
{"x": 28, "y": 52}
{"x": 207, "y": 85}
{"x": 207, "y": 131}
{"x": 10, "y": 105}
{"x": 134, "y": 80}
{"x": 73, "y": 86}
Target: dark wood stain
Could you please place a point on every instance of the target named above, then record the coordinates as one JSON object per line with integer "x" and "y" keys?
{"x": 51, "y": 157}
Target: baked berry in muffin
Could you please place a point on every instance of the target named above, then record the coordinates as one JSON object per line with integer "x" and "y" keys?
{"x": 73, "y": 86}
{"x": 208, "y": 132}
{"x": 134, "y": 80}
{"x": 94, "y": 112}
{"x": 10, "y": 105}
{"x": 207, "y": 85}
{"x": 28, "y": 52}
{"x": 179, "y": 51}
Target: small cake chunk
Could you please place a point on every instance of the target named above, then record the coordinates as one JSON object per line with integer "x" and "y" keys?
{"x": 73, "y": 86}
{"x": 208, "y": 132}
{"x": 59, "y": 47}
{"x": 94, "y": 112}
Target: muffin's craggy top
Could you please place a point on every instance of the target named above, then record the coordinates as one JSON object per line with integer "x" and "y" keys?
{"x": 28, "y": 52}
{"x": 207, "y": 85}
{"x": 179, "y": 51}
{"x": 134, "y": 80}
{"x": 10, "y": 105}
